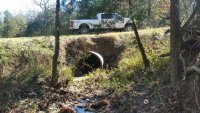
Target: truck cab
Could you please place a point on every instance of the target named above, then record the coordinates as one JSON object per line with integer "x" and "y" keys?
{"x": 112, "y": 20}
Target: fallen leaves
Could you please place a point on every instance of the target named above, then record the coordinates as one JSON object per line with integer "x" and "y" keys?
{"x": 99, "y": 104}
{"x": 66, "y": 110}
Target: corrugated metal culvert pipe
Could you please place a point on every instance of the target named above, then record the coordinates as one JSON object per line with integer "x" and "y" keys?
{"x": 90, "y": 63}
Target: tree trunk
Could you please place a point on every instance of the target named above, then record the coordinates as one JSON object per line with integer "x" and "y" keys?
{"x": 54, "y": 78}
{"x": 141, "y": 48}
{"x": 175, "y": 39}
{"x": 1, "y": 69}
{"x": 196, "y": 20}
{"x": 149, "y": 9}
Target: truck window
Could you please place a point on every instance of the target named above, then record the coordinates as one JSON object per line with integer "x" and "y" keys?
{"x": 107, "y": 16}
{"x": 117, "y": 17}
{"x": 114, "y": 16}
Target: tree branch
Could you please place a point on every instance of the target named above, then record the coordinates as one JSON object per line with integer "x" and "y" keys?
{"x": 197, "y": 7}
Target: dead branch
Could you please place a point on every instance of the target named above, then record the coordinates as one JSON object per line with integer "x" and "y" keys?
{"x": 46, "y": 17}
{"x": 165, "y": 54}
{"x": 197, "y": 7}
{"x": 43, "y": 4}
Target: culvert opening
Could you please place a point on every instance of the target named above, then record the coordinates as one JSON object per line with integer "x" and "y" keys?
{"x": 91, "y": 62}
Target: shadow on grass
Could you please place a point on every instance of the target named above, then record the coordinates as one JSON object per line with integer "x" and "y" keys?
{"x": 14, "y": 89}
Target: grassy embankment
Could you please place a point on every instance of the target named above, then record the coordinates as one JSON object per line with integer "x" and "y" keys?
{"x": 24, "y": 61}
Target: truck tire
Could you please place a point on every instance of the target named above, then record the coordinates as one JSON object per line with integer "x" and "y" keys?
{"x": 128, "y": 28}
{"x": 83, "y": 30}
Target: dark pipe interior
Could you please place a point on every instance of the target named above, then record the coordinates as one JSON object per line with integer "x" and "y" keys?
{"x": 88, "y": 64}
{"x": 91, "y": 63}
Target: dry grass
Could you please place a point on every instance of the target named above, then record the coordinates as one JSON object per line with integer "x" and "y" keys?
{"x": 141, "y": 32}
{"x": 129, "y": 66}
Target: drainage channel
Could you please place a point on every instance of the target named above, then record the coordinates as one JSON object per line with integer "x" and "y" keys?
{"x": 81, "y": 107}
{"x": 92, "y": 62}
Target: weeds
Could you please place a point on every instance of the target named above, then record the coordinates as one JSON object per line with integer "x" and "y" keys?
{"x": 23, "y": 63}
{"x": 130, "y": 68}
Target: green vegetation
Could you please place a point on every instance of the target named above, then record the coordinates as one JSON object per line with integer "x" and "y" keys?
{"x": 22, "y": 65}
{"x": 123, "y": 84}
{"x": 25, "y": 61}
{"x": 146, "y": 13}
{"x": 130, "y": 69}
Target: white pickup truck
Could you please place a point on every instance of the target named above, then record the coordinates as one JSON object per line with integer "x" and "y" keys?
{"x": 103, "y": 21}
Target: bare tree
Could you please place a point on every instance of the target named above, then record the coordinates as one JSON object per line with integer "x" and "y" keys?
{"x": 196, "y": 12}
{"x": 1, "y": 68}
{"x": 149, "y": 8}
{"x": 54, "y": 78}
{"x": 141, "y": 48}
{"x": 46, "y": 16}
{"x": 175, "y": 39}
{"x": 197, "y": 21}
